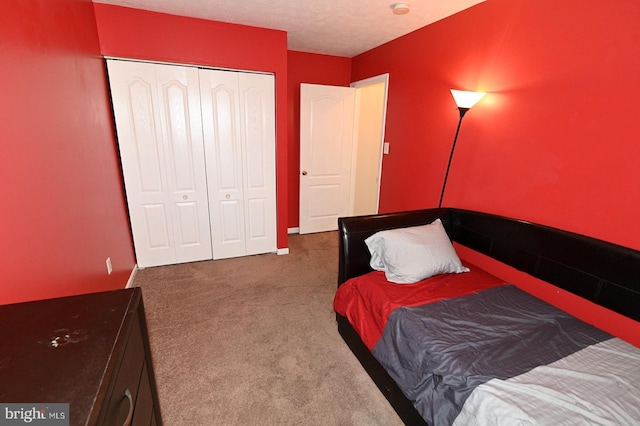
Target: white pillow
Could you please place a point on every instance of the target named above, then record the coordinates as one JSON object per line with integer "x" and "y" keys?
{"x": 408, "y": 255}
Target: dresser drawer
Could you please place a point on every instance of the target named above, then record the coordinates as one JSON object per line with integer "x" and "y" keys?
{"x": 143, "y": 412}
{"x": 121, "y": 405}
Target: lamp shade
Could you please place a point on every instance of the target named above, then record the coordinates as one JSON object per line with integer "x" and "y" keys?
{"x": 465, "y": 99}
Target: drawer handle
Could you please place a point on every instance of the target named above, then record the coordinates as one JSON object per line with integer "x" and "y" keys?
{"x": 127, "y": 395}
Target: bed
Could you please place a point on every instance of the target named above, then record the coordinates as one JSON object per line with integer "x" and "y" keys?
{"x": 463, "y": 347}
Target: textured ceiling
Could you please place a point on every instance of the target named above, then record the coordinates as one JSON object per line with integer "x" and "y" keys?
{"x": 332, "y": 27}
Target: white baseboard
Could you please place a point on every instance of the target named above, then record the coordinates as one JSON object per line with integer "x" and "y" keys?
{"x": 282, "y": 251}
{"x": 294, "y": 230}
{"x": 132, "y": 276}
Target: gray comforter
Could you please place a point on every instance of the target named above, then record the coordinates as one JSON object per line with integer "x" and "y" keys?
{"x": 440, "y": 352}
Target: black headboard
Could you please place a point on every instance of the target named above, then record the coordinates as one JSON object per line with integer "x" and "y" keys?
{"x": 605, "y": 273}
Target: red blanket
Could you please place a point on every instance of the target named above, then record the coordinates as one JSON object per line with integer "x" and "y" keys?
{"x": 368, "y": 300}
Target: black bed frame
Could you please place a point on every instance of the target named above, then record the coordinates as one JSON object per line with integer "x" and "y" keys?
{"x": 604, "y": 273}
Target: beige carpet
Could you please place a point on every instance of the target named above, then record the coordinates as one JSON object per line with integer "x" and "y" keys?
{"x": 253, "y": 341}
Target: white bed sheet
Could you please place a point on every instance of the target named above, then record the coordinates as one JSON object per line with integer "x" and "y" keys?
{"x": 599, "y": 385}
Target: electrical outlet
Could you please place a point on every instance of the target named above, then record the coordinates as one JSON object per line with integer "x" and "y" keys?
{"x": 109, "y": 267}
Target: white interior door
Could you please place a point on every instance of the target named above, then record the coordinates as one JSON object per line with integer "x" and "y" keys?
{"x": 239, "y": 132}
{"x": 158, "y": 121}
{"x": 326, "y": 145}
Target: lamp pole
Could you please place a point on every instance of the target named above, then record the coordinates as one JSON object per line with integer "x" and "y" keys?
{"x": 463, "y": 111}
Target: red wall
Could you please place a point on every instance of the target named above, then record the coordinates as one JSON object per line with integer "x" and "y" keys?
{"x": 63, "y": 210}
{"x": 315, "y": 69}
{"x": 139, "y": 34}
{"x": 554, "y": 142}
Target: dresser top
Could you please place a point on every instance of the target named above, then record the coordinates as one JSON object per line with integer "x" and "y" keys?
{"x": 59, "y": 350}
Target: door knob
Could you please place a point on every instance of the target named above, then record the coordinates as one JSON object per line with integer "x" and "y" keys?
{"x": 304, "y": 173}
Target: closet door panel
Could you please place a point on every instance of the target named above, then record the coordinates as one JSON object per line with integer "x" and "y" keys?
{"x": 156, "y": 226}
{"x": 228, "y": 159}
{"x": 258, "y": 136}
{"x": 232, "y": 232}
{"x": 181, "y": 117}
{"x": 258, "y": 228}
{"x": 133, "y": 88}
{"x": 221, "y": 125}
{"x": 178, "y": 135}
{"x": 188, "y": 220}
{"x": 141, "y": 98}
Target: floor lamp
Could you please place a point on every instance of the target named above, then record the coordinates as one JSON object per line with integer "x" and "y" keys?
{"x": 465, "y": 100}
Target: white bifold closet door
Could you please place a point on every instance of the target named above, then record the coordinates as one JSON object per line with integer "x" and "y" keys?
{"x": 197, "y": 148}
{"x": 158, "y": 121}
{"x": 239, "y": 135}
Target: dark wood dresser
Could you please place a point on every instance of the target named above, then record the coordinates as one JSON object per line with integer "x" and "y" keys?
{"x": 90, "y": 351}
